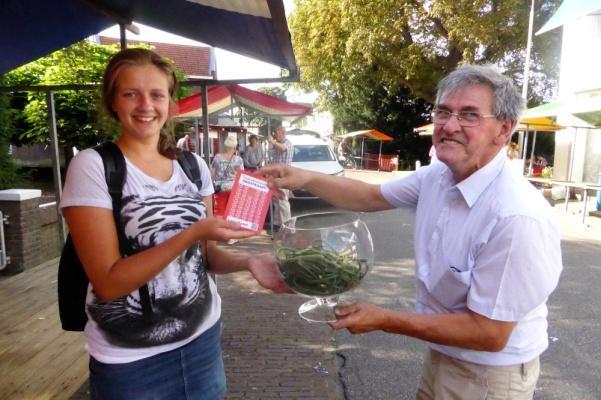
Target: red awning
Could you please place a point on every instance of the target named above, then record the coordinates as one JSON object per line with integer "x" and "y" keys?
{"x": 369, "y": 134}
{"x": 220, "y": 98}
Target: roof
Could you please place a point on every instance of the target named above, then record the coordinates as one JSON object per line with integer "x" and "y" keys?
{"x": 544, "y": 110}
{"x": 369, "y": 134}
{"x": 569, "y": 11}
{"x": 587, "y": 109}
{"x": 306, "y": 139}
{"x": 35, "y": 28}
{"x": 541, "y": 118}
{"x": 221, "y": 98}
{"x": 193, "y": 61}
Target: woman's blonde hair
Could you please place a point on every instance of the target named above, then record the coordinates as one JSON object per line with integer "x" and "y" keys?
{"x": 141, "y": 57}
{"x": 230, "y": 142}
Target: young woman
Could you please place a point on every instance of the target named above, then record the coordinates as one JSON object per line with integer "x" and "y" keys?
{"x": 223, "y": 171}
{"x": 170, "y": 350}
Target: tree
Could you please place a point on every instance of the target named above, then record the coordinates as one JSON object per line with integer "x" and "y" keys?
{"x": 79, "y": 117}
{"x": 411, "y": 43}
{"x": 376, "y": 63}
{"x": 8, "y": 169}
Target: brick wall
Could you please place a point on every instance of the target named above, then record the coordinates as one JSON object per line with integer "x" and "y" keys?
{"x": 31, "y": 234}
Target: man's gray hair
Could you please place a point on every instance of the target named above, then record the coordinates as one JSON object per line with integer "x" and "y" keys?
{"x": 507, "y": 101}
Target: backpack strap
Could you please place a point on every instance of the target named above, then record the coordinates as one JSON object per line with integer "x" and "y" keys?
{"x": 190, "y": 166}
{"x": 115, "y": 171}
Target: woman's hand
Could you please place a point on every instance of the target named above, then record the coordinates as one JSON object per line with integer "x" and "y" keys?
{"x": 265, "y": 270}
{"x": 218, "y": 229}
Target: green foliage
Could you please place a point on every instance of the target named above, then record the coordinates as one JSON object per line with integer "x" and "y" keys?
{"x": 76, "y": 110}
{"x": 395, "y": 113}
{"x": 547, "y": 173}
{"x": 372, "y": 60}
{"x": 80, "y": 120}
{"x": 8, "y": 169}
{"x": 410, "y": 43}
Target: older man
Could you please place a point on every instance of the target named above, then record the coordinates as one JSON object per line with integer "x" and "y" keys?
{"x": 281, "y": 151}
{"x": 487, "y": 246}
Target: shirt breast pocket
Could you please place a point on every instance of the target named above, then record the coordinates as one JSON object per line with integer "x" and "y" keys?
{"x": 450, "y": 286}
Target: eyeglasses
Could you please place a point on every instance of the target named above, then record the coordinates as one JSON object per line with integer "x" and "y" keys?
{"x": 464, "y": 118}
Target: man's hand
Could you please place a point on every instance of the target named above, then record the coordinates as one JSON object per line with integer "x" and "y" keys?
{"x": 282, "y": 176}
{"x": 265, "y": 270}
{"x": 360, "y": 318}
{"x": 468, "y": 330}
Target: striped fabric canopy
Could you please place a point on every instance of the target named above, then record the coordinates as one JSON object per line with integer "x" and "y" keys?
{"x": 221, "y": 98}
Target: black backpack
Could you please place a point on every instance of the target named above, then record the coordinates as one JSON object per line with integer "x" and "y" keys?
{"x": 72, "y": 279}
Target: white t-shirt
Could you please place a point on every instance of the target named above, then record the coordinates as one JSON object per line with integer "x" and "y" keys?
{"x": 489, "y": 244}
{"x": 184, "y": 298}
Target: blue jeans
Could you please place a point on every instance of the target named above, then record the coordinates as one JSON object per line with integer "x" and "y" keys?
{"x": 194, "y": 371}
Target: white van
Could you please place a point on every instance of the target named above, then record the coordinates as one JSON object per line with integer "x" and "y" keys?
{"x": 313, "y": 153}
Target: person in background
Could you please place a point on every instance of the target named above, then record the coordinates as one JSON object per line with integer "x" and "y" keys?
{"x": 154, "y": 314}
{"x": 432, "y": 154}
{"x": 184, "y": 143}
{"x": 513, "y": 155}
{"x": 487, "y": 246}
{"x": 346, "y": 147}
{"x": 281, "y": 151}
{"x": 223, "y": 170}
{"x": 541, "y": 161}
{"x": 253, "y": 155}
{"x": 192, "y": 141}
{"x": 512, "y": 151}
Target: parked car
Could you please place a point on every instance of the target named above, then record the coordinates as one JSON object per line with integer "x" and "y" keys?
{"x": 313, "y": 153}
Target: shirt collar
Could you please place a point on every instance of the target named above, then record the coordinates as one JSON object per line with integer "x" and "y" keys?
{"x": 472, "y": 187}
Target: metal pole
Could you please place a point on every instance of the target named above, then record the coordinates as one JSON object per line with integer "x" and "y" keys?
{"x": 572, "y": 152}
{"x": 362, "y": 146}
{"x": 380, "y": 155}
{"x": 527, "y": 71}
{"x": 528, "y": 50}
{"x": 525, "y": 149}
{"x": 532, "y": 153}
{"x": 56, "y": 167}
{"x": 122, "y": 36}
{"x": 205, "y": 122}
{"x": 266, "y": 147}
{"x": 197, "y": 138}
{"x": 4, "y": 259}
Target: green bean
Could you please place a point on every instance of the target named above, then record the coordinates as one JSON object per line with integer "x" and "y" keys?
{"x": 316, "y": 271}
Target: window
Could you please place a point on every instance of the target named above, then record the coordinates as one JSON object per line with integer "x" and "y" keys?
{"x": 304, "y": 153}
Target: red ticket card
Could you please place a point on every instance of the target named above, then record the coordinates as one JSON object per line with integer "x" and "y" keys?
{"x": 249, "y": 201}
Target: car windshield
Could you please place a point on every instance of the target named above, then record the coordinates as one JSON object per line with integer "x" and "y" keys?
{"x": 318, "y": 152}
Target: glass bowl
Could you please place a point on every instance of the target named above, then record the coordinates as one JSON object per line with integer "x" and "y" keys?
{"x": 321, "y": 256}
